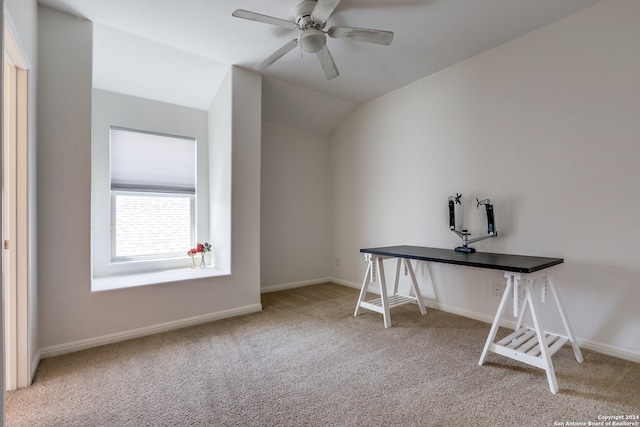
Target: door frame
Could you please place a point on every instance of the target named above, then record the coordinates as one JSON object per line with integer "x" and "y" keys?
{"x": 15, "y": 206}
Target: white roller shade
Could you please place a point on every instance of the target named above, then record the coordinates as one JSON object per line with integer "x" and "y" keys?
{"x": 146, "y": 161}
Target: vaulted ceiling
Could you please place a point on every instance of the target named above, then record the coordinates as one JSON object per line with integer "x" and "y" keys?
{"x": 179, "y": 50}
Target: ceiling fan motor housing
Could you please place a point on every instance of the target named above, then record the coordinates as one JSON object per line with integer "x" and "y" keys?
{"x": 302, "y": 12}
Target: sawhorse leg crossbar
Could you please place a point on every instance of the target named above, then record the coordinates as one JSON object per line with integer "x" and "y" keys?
{"x": 533, "y": 346}
{"x": 386, "y": 302}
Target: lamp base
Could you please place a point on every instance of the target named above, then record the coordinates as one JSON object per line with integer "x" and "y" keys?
{"x": 465, "y": 249}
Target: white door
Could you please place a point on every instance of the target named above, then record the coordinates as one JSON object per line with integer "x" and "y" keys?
{"x": 15, "y": 214}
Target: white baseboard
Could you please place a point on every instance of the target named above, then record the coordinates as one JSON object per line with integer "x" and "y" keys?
{"x": 482, "y": 317}
{"x": 609, "y": 350}
{"x": 34, "y": 365}
{"x": 598, "y": 347}
{"x": 60, "y": 349}
{"x": 348, "y": 284}
{"x": 267, "y": 289}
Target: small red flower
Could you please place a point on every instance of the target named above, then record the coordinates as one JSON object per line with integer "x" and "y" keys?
{"x": 200, "y": 248}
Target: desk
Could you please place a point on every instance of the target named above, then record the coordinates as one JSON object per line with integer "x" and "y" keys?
{"x": 530, "y": 345}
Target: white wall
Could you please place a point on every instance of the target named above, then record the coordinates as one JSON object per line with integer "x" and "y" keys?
{"x": 220, "y": 123}
{"x": 547, "y": 127}
{"x": 244, "y": 284}
{"x": 295, "y": 208}
{"x": 293, "y": 106}
{"x": 70, "y": 315}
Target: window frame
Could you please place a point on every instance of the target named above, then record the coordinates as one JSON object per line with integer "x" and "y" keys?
{"x": 144, "y": 186}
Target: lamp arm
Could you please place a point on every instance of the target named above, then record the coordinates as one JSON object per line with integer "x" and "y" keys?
{"x": 491, "y": 222}
{"x": 477, "y": 239}
{"x": 452, "y": 214}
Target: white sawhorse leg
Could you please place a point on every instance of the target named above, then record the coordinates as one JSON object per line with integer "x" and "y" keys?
{"x": 385, "y": 302}
{"x": 533, "y": 346}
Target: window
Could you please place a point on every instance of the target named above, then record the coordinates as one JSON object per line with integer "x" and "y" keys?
{"x": 153, "y": 195}
{"x": 150, "y": 224}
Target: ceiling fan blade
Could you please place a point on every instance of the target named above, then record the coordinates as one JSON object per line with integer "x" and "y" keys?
{"x": 324, "y": 9}
{"x": 328, "y": 65}
{"x": 245, "y": 14}
{"x": 276, "y": 55}
{"x": 361, "y": 35}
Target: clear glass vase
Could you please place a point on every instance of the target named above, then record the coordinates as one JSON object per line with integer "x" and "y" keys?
{"x": 203, "y": 262}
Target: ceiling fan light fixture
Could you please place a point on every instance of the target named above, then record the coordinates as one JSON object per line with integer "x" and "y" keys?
{"x": 312, "y": 40}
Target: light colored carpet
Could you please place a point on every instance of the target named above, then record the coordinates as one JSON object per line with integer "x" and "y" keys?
{"x": 306, "y": 361}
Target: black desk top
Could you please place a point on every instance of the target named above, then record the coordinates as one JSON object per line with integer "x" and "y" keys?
{"x": 504, "y": 262}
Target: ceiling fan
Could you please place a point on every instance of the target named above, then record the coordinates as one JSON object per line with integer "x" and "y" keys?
{"x": 311, "y": 17}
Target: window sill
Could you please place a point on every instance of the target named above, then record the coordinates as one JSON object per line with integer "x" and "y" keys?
{"x": 123, "y": 281}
